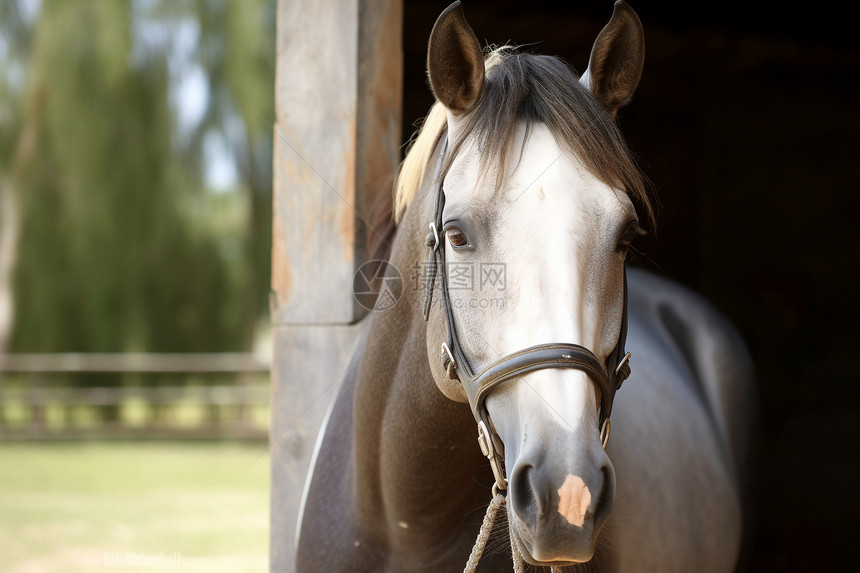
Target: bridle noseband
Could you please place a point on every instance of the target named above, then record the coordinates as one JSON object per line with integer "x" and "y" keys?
{"x": 608, "y": 376}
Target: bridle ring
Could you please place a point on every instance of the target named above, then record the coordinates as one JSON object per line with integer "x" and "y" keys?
{"x": 621, "y": 364}
{"x": 604, "y": 432}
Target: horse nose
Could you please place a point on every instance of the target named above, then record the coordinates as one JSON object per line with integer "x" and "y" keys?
{"x": 562, "y": 508}
{"x": 537, "y": 496}
{"x": 525, "y": 500}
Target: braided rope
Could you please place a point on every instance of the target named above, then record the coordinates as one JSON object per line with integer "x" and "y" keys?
{"x": 484, "y": 536}
{"x": 484, "y": 533}
{"x": 519, "y": 562}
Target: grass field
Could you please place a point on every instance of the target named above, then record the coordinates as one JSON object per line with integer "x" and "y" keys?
{"x": 96, "y": 506}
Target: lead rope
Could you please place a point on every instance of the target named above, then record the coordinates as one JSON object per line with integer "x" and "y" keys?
{"x": 484, "y": 536}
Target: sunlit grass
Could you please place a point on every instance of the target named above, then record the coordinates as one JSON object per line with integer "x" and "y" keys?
{"x": 63, "y": 506}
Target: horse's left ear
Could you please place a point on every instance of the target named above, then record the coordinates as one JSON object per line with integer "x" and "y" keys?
{"x": 616, "y": 59}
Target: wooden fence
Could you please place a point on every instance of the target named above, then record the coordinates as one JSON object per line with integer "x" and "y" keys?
{"x": 33, "y": 405}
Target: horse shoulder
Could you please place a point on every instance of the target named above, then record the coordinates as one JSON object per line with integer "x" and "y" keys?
{"x": 712, "y": 350}
{"x": 680, "y": 434}
{"x": 328, "y": 538}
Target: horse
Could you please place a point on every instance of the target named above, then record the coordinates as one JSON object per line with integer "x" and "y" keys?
{"x": 515, "y": 209}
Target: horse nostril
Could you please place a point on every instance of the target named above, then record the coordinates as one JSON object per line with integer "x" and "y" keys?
{"x": 607, "y": 496}
{"x": 524, "y": 500}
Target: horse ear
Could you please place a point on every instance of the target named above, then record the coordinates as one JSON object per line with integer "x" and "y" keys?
{"x": 616, "y": 59}
{"x": 455, "y": 63}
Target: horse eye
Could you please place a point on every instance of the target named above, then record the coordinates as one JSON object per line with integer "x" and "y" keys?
{"x": 633, "y": 230}
{"x": 457, "y": 238}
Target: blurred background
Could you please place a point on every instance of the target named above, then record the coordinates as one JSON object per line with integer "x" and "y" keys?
{"x": 135, "y": 246}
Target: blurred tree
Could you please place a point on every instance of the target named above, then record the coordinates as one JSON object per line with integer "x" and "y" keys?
{"x": 110, "y": 236}
{"x": 237, "y": 50}
{"x": 18, "y": 126}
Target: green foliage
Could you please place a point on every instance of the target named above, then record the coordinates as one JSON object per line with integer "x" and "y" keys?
{"x": 122, "y": 247}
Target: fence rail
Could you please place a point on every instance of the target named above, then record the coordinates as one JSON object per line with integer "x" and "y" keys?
{"x": 134, "y": 363}
{"x": 32, "y": 408}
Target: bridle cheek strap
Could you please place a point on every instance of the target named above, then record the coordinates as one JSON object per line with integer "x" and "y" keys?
{"x": 607, "y": 376}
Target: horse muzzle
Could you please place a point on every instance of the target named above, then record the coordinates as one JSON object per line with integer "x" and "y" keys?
{"x": 557, "y": 508}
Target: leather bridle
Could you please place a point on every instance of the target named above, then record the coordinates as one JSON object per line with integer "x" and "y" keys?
{"x": 608, "y": 376}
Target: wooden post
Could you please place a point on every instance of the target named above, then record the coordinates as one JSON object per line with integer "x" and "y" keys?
{"x": 38, "y": 406}
{"x": 337, "y": 137}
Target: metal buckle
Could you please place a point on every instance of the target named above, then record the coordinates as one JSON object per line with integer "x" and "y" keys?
{"x": 451, "y": 363}
{"x": 485, "y": 442}
{"x": 435, "y": 237}
{"x": 499, "y": 474}
{"x": 497, "y": 487}
{"x": 624, "y": 361}
{"x": 604, "y": 432}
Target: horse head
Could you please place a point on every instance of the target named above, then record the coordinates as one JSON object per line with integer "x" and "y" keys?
{"x": 538, "y": 209}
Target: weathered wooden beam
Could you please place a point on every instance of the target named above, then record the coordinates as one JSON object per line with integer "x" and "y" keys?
{"x": 337, "y": 142}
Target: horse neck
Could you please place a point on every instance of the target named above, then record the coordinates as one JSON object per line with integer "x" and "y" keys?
{"x": 418, "y": 467}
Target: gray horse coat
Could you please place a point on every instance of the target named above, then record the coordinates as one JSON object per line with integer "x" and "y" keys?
{"x": 399, "y": 483}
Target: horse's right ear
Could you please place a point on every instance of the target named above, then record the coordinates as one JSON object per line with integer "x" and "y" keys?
{"x": 455, "y": 63}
